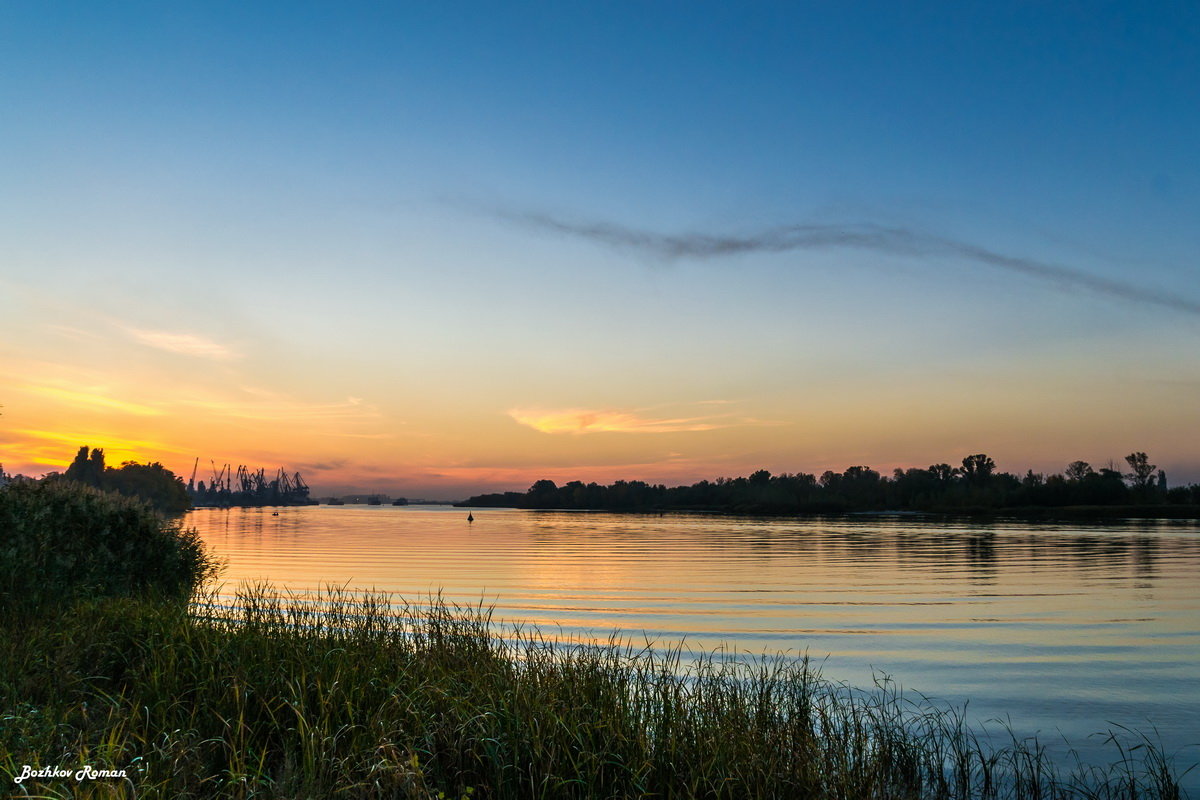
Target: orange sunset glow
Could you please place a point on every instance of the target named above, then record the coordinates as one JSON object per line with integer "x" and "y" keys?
{"x": 434, "y": 281}
{"x": 166, "y": 397}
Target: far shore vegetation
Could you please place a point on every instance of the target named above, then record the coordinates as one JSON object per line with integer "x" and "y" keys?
{"x": 152, "y": 483}
{"x": 973, "y": 487}
{"x": 1137, "y": 488}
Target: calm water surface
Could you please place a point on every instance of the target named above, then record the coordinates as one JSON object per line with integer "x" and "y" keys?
{"x": 1061, "y": 628}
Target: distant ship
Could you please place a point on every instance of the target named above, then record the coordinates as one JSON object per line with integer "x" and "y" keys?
{"x": 400, "y": 501}
{"x": 374, "y": 500}
{"x": 336, "y": 501}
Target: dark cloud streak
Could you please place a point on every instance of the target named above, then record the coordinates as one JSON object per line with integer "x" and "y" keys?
{"x": 877, "y": 238}
{"x": 324, "y": 466}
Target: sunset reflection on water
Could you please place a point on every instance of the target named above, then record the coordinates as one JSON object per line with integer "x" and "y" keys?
{"x": 1061, "y": 627}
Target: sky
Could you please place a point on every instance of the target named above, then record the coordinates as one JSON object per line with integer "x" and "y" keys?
{"x": 434, "y": 249}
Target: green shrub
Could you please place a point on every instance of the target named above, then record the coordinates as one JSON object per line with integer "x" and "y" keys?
{"x": 61, "y": 540}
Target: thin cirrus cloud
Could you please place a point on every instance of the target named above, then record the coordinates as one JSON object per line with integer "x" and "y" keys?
{"x": 268, "y": 407}
{"x": 865, "y": 236}
{"x": 581, "y": 421}
{"x": 187, "y": 344}
{"x": 95, "y": 400}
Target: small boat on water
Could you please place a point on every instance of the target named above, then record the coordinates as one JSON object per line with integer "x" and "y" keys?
{"x": 470, "y": 517}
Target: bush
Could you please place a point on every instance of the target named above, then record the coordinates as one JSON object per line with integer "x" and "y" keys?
{"x": 61, "y": 540}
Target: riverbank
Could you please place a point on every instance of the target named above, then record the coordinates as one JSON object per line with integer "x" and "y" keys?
{"x": 341, "y": 695}
{"x": 1080, "y": 512}
{"x": 974, "y": 488}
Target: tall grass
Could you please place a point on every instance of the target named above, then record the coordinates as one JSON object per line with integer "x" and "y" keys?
{"x": 343, "y": 695}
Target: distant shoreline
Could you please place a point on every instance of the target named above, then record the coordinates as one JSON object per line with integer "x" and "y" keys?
{"x": 1142, "y": 512}
{"x": 975, "y": 489}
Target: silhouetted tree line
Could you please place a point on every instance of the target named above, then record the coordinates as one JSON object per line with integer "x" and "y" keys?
{"x": 974, "y": 486}
{"x": 152, "y": 483}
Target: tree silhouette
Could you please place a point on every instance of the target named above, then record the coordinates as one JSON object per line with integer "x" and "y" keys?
{"x": 153, "y": 483}
{"x": 543, "y": 494}
{"x": 87, "y": 468}
{"x": 978, "y": 468}
{"x": 943, "y": 472}
{"x": 1142, "y": 471}
{"x": 1078, "y": 470}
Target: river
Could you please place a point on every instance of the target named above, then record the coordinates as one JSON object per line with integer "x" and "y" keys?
{"x": 1063, "y": 629}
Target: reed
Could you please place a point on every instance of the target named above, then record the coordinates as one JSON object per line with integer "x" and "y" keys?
{"x": 344, "y": 694}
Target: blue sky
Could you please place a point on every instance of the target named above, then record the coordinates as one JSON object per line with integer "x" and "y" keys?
{"x": 332, "y": 201}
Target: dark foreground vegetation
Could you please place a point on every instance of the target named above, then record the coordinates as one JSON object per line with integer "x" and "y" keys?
{"x": 343, "y": 695}
{"x": 974, "y": 487}
{"x": 61, "y": 540}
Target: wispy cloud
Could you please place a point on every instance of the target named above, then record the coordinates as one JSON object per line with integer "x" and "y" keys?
{"x": 374, "y": 436}
{"x": 188, "y": 344}
{"x": 583, "y": 420}
{"x": 265, "y": 406}
{"x": 324, "y": 466}
{"x": 70, "y": 332}
{"x": 94, "y": 399}
{"x": 863, "y": 236}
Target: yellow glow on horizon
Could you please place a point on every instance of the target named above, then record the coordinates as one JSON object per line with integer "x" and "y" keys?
{"x": 436, "y": 434}
{"x": 57, "y": 449}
